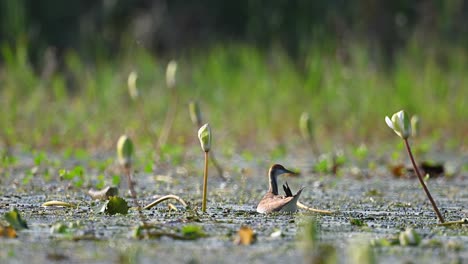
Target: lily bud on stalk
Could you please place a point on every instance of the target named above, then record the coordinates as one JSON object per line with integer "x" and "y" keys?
{"x": 124, "y": 151}
{"x": 204, "y": 135}
{"x": 305, "y": 125}
{"x": 171, "y": 71}
{"x": 400, "y": 123}
{"x": 415, "y": 124}
{"x": 132, "y": 88}
{"x": 195, "y": 113}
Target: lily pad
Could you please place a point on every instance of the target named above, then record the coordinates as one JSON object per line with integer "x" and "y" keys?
{"x": 115, "y": 205}
{"x": 193, "y": 232}
{"x": 14, "y": 219}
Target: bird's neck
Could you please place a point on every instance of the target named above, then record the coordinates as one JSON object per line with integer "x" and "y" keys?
{"x": 273, "y": 184}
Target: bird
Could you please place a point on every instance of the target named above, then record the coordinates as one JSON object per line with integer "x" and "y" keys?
{"x": 272, "y": 201}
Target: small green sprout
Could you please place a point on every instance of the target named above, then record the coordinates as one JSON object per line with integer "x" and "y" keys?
{"x": 204, "y": 135}
{"x": 132, "y": 88}
{"x": 125, "y": 151}
{"x": 401, "y": 125}
{"x": 171, "y": 71}
{"x": 307, "y": 131}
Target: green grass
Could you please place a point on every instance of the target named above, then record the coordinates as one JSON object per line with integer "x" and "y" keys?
{"x": 251, "y": 98}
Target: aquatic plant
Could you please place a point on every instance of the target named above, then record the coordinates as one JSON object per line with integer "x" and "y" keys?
{"x": 171, "y": 83}
{"x": 401, "y": 125}
{"x": 204, "y": 135}
{"x": 134, "y": 94}
{"x": 307, "y": 131}
{"x": 197, "y": 120}
{"x": 124, "y": 155}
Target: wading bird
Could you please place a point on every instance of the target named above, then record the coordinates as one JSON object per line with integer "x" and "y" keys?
{"x": 272, "y": 201}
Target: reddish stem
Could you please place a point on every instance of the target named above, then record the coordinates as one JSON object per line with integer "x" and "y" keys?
{"x": 439, "y": 215}
{"x": 133, "y": 193}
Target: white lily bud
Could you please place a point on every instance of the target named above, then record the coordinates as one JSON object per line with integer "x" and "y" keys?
{"x": 171, "y": 71}
{"x": 132, "y": 88}
{"x": 204, "y": 135}
{"x": 400, "y": 123}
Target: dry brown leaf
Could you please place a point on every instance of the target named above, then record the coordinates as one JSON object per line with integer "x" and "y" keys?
{"x": 245, "y": 236}
{"x": 398, "y": 170}
{"x": 7, "y": 231}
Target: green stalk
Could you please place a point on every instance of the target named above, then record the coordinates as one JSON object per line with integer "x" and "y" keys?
{"x": 169, "y": 119}
{"x": 133, "y": 193}
{"x": 214, "y": 161}
{"x": 426, "y": 190}
{"x": 205, "y": 182}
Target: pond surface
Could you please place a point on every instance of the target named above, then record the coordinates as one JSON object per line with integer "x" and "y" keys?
{"x": 384, "y": 203}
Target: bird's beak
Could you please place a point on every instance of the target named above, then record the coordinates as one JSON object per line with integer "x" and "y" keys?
{"x": 291, "y": 172}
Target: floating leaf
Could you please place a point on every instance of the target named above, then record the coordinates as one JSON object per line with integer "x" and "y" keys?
{"x": 115, "y": 205}
{"x": 357, "y": 222}
{"x": 103, "y": 194}
{"x": 193, "y": 232}
{"x": 432, "y": 168}
{"x": 14, "y": 219}
{"x": 245, "y": 236}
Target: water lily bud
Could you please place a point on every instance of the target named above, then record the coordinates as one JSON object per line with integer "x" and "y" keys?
{"x": 195, "y": 113}
{"x": 204, "y": 135}
{"x": 132, "y": 89}
{"x": 409, "y": 237}
{"x": 124, "y": 151}
{"x": 400, "y": 123}
{"x": 305, "y": 125}
{"x": 171, "y": 74}
{"x": 415, "y": 125}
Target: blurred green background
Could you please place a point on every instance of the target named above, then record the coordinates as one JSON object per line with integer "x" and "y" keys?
{"x": 254, "y": 67}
